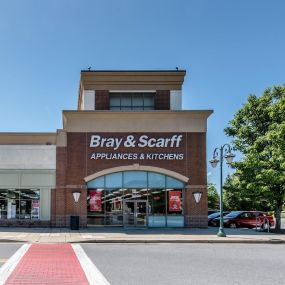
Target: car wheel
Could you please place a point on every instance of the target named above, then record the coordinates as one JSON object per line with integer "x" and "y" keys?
{"x": 265, "y": 225}
{"x": 233, "y": 225}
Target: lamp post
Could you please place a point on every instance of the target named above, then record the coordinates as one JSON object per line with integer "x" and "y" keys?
{"x": 225, "y": 151}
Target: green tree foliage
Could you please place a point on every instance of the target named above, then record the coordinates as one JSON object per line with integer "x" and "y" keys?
{"x": 238, "y": 198}
{"x": 213, "y": 197}
{"x": 258, "y": 131}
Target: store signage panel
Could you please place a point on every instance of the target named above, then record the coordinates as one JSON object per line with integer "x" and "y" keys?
{"x": 95, "y": 201}
{"x": 137, "y": 147}
{"x": 130, "y": 141}
{"x": 174, "y": 201}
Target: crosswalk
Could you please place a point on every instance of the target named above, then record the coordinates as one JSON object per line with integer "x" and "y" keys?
{"x": 50, "y": 264}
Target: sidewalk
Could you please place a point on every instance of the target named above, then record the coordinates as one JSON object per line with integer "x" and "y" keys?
{"x": 121, "y": 235}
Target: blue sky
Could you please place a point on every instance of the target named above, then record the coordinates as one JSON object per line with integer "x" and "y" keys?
{"x": 230, "y": 49}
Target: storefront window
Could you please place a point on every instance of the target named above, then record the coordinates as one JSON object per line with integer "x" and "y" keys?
{"x": 156, "y": 180}
{"x": 157, "y": 209}
{"x": 114, "y": 206}
{"x": 175, "y": 208}
{"x": 20, "y": 204}
{"x": 3, "y": 209}
{"x": 113, "y": 180}
{"x": 173, "y": 183}
{"x": 95, "y": 207}
{"x": 97, "y": 183}
{"x": 159, "y": 195}
{"x": 104, "y": 206}
{"x": 135, "y": 179}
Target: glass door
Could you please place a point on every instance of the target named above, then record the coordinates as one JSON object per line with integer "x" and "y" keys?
{"x": 129, "y": 213}
{"x": 135, "y": 213}
{"x": 141, "y": 210}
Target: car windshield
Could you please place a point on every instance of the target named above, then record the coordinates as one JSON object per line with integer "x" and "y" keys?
{"x": 233, "y": 214}
{"x": 214, "y": 215}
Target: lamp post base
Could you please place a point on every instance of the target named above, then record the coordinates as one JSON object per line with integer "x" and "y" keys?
{"x": 221, "y": 233}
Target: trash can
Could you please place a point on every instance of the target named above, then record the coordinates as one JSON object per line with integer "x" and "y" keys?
{"x": 74, "y": 222}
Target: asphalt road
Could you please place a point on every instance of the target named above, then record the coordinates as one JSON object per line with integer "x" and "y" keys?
{"x": 7, "y": 250}
{"x": 189, "y": 263}
{"x": 183, "y": 263}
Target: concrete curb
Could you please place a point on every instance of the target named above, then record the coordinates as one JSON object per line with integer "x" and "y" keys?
{"x": 154, "y": 241}
{"x": 183, "y": 241}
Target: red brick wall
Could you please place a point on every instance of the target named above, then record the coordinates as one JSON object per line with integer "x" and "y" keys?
{"x": 102, "y": 101}
{"x": 179, "y": 166}
{"x": 74, "y": 163}
{"x": 162, "y": 100}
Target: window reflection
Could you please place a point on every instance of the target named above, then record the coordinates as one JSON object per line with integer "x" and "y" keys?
{"x": 114, "y": 206}
{"x": 20, "y": 204}
{"x": 135, "y": 179}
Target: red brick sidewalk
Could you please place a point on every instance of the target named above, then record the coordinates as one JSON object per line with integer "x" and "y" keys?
{"x": 48, "y": 264}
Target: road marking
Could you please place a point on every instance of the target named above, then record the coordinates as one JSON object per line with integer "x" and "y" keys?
{"x": 12, "y": 262}
{"x": 92, "y": 273}
{"x": 3, "y": 260}
{"x": 48, "y": 264}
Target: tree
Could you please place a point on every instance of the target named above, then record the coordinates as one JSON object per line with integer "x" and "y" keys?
{"x": 213, "y": 197}
{"x": 237, "y": 197}
{"x": 258, "y": 132}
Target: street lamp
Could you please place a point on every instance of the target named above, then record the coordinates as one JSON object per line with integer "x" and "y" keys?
{"x": 225, "y": 151}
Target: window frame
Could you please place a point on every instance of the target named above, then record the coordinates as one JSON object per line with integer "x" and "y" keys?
{"x": 131, "y": 96}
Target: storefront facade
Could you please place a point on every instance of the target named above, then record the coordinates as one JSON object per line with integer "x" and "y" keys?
{"x": 130, "y": 151}
{"x": 27, "y": 175}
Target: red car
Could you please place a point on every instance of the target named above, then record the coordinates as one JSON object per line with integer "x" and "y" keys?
{"x": 246, "y": 219}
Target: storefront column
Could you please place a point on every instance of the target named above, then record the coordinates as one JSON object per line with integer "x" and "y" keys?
{"x": 196, "y": 214}
{"x": 79, "y": 208}
{"x": 58, "y": 207}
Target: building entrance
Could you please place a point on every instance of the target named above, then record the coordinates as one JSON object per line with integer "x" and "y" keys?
{"x": 135, "y": 213}
{"x": 135, "y": 199}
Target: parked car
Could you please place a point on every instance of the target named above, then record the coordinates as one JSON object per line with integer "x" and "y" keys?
{"x": 214, "y": 216}
{"x": 245, "y": 219}
{"x": 212, "y": 212}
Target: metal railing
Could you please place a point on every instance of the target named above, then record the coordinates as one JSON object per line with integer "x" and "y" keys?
{"x": 262, "y": 224}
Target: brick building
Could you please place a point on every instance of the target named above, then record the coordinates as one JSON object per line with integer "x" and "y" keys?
{"x": 133, "y": 157}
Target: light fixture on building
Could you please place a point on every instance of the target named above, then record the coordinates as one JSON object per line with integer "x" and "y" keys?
{"x": 197, "y": 196}
{"x": 76, "y": 196}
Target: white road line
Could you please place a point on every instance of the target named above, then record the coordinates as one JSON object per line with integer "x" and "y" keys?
{"x": 12, "y": 262}
{"x": 92, "y": 273}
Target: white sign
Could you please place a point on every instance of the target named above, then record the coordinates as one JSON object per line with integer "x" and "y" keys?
{"x": 130, "y": 141}
{"x": 135, "y": 156}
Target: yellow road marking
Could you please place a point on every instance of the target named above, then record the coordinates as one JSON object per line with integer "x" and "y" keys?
{"x": 3, "y": 260}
